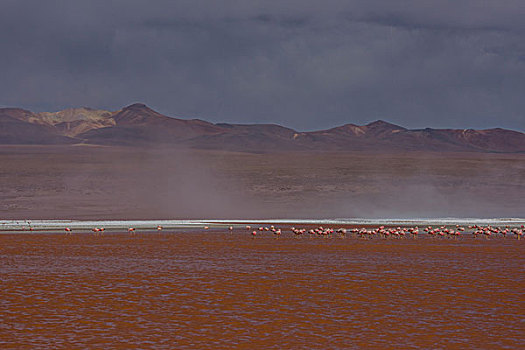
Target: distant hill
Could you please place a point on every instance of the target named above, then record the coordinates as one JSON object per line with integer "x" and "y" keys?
{"x": 138, "y": 125}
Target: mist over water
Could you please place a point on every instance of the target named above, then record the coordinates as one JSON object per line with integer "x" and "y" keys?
{"x": 222, "y": 185}
{"x": 129, "y": 183}
{"x": 178, "y": 184}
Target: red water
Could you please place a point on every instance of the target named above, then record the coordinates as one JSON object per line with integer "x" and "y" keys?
{"x": 220, "y": 290}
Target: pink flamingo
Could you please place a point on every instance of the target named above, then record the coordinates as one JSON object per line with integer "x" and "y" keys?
{"x": 96, "y": 231}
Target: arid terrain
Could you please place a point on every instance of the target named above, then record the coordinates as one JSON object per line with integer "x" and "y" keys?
{"x": 139, "y": 125}
{"x": 100, "y": 182}
{"x": 137, "y": 163}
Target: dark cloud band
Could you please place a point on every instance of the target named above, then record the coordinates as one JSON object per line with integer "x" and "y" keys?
{"x": 304, "y": 64}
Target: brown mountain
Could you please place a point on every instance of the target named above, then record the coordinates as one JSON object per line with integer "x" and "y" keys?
{"x": 141, "y": 126}
{"x": 246, "y": 137}
{"x": 17, "y": 127}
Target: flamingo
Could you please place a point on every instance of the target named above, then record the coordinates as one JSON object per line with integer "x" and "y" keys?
{"x": 297, "y": 232}
{"x": 97, "y": 231}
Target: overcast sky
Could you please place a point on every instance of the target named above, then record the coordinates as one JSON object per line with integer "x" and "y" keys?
{"x": 304, "y": 64}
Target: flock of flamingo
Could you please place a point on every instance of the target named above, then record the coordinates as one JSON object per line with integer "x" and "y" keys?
{"x": 393, "y": 232}
{"x": 365, "y": 233}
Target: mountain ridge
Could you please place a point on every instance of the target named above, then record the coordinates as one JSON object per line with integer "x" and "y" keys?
{"x": 139, "y": 125}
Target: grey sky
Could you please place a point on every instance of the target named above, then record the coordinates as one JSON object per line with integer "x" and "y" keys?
{"x": 303, "y": 64}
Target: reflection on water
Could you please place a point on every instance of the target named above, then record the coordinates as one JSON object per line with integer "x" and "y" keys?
{"x": 214, "y": 289}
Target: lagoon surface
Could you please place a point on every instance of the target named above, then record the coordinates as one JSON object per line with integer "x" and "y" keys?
{"x": 214, "y": 289}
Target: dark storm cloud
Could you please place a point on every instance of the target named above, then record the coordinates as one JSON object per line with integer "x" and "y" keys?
{"x": 304, "y": 64}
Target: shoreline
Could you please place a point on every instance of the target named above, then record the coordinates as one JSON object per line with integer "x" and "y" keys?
{"x": 25, "y": 225}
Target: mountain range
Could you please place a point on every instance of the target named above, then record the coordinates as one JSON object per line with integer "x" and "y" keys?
{"x": 139, "y": 125}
